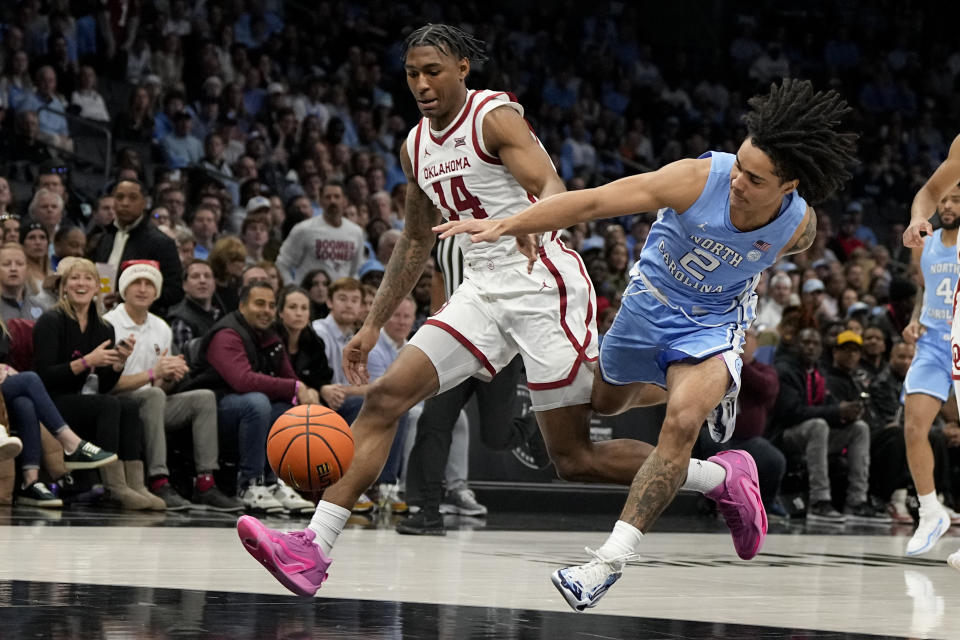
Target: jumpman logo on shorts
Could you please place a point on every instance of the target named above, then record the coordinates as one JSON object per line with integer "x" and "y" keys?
{"x": 543, "y": 286}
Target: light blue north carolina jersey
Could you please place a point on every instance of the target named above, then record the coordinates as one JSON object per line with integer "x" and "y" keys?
{"x": 691, "y": 294}
{"x": 940, "y": 269}
{"x": 701, "y": 263}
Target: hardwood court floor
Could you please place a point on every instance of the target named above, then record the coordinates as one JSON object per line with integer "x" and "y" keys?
{"x": 95, "y": 574}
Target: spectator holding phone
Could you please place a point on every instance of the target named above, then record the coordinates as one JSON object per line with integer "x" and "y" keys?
{"x": 79, "y": 363}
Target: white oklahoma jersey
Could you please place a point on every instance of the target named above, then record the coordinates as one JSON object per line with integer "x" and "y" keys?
{"x": 955, "y": 341}
{"x": 546, "y": 316}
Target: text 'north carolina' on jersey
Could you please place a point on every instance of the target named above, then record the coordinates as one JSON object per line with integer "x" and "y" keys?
{"x": 454, "y": 168}
{"x": 701, "y": 262}
{"x": 939, "y": 265}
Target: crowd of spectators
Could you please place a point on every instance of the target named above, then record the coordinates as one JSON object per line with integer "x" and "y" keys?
{"x": 254, "y": 148}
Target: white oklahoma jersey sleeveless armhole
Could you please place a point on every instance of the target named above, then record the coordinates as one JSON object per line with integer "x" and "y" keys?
{"x": 955, "y": 341}
{"x": 499, "y": 310}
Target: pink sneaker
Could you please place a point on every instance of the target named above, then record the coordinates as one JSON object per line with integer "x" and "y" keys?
{"x": 291, "y": 557}
{"x": 739, "y": 502}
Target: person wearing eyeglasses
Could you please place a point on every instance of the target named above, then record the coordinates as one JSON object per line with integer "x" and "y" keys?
{"x": 160, "y": 217}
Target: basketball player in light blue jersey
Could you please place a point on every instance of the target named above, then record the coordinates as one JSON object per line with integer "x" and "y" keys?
{"x": 678, "y": 335}
{"x": 942, "y": 183}
{"x": 927, "y": 384}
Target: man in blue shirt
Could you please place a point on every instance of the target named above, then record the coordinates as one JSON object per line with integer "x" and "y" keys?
{"x": 50, "y": 109}
{"x": 179, "y": 146}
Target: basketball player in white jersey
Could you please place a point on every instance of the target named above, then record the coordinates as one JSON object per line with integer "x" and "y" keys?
{"x": 472, "y": 156}
{"x": 937, "y": 187}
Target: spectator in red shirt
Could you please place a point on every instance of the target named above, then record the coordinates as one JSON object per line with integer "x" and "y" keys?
{"x": 243, "y": 360}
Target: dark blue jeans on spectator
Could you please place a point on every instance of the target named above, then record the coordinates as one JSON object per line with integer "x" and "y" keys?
{"x": 390, "y": 474}
{"x": 350, "y": 408}
{"x": 247, "y": 418}
{"x": 28, "y": 405}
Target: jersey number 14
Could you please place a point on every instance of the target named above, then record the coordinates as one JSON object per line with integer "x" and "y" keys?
{"x": 463, "y": 200}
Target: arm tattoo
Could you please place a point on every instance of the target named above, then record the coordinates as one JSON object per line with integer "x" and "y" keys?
{"x": 805, "y": 241}
{"x": 409, "y": 256}
{"x": 653, "y": 488}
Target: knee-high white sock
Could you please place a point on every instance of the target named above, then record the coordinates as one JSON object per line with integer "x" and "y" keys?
{"x": 704, "y": 476}
{"x": 327, "y": 523}
{"x": 622, "y": 542}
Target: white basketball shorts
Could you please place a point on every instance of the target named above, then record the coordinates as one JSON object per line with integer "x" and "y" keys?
{"x": 547, "y": 316}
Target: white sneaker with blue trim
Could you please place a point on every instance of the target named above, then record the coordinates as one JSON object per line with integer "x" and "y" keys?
{"x": 582, "y": 586}
{"x": 931, "y": 528}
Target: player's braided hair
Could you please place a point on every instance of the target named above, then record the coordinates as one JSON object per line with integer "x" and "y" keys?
{"x": 796, "y": 127}
{"x": 456, "y": 42}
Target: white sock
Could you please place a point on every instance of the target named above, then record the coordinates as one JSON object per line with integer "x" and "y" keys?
{"x": 704, "y": 476}
{"x": 327, "y": 523}
{"x": 929, "y": 503}
{"x": 622, "y": 542}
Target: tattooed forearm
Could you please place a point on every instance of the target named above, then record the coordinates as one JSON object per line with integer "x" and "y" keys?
{"x": 805, "y": 241}
{"x": 403, "y": 270}
{"x": 653, "y": 488}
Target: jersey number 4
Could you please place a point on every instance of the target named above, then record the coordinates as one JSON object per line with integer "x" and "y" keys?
{"x": 945, "y": 291}
{"x": 463, "y": 200}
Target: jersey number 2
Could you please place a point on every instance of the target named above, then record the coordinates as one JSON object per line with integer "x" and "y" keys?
{"x": 703, "y": 260}
{"x": 463, "y": 200}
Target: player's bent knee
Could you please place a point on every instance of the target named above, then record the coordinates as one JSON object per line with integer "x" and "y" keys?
{"x": 607, "y": 403}
{"x": 572, "y": 468}
{"x": 389, "y": 398}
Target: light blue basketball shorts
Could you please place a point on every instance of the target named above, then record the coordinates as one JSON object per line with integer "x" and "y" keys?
{"x": 930, "y": 370}
{"x": 648, "y": 336}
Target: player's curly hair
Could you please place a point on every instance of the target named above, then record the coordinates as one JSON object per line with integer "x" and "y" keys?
{"x": 448, "y": 39}
{"x": 797, "y": 127}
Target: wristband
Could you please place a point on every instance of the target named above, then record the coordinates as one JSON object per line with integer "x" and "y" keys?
{"x": 296, "y": 389}
{"x": 83, "y": 361}
{"x": 150, "y": 373}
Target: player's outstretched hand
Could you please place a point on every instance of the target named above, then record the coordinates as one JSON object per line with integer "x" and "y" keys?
{"x": 355, "y": 354}
{"x": 479, "y": 230}
{"x": 913, "y": 235}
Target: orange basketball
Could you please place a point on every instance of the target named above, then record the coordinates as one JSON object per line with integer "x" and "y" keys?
{"x": 310, "y": 447}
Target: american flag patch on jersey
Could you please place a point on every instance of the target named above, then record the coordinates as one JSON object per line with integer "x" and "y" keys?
{"x": 763, "y": 246}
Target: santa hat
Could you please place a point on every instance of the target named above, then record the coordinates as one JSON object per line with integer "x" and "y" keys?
{"x": 133, "y": 270}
